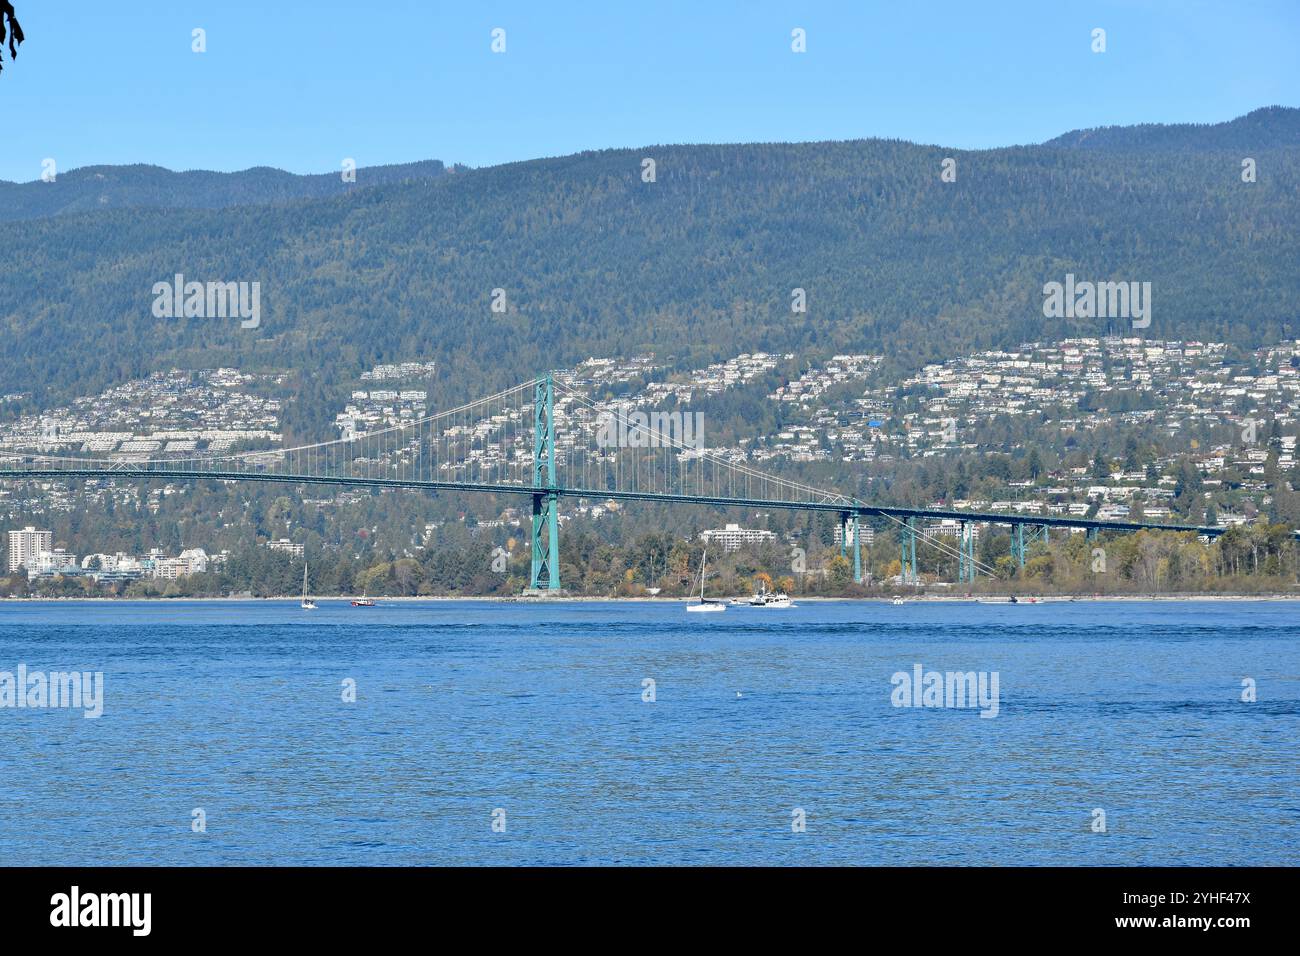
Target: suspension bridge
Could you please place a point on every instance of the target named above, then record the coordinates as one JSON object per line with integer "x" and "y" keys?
{"x": 548, "y": 439}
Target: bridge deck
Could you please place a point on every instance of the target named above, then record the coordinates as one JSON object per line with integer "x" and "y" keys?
{"x": 834, "y": 505}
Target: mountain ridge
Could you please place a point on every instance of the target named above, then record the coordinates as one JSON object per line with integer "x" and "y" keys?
{"x": 144, "y": 185}
{"x": 699, "y": 264}
{"x": 1270, "y": 127}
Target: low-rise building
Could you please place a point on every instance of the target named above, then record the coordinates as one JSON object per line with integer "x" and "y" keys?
{"x": 287, "y": 546}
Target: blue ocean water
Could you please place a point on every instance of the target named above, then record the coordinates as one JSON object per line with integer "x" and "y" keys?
{"x": 464, "y": 708}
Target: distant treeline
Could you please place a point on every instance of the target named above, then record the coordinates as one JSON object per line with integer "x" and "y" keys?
{"x": 1244, "y": 559}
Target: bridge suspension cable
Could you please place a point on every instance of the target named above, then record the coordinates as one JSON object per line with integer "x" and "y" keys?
{"x": 616, "y": 444}
{"x": 942, "y": 545}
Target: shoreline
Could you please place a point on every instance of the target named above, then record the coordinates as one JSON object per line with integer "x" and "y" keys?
{"x": 598, "y": 599}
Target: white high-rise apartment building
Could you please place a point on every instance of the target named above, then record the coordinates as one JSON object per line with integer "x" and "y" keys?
{"x": 733, "y": 536}
{"x": 25, "y": 545}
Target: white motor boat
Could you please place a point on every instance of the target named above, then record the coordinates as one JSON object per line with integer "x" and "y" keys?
{"x": 766, "y": 598}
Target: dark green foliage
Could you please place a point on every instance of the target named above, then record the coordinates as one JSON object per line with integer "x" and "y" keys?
{"x": 699, "y": 264}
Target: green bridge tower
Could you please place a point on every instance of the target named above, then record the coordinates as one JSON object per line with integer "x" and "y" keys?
{"x": 546, "y": 500}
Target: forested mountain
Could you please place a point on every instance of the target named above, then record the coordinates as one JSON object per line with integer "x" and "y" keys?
{"x": 1273, "y": 126}
{"x": 115, "y": 187}
{"x": 698, "y": 264}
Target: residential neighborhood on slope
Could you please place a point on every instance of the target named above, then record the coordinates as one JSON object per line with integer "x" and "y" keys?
{"x": 842, "y": 412}
{"x": 167, "y": 414}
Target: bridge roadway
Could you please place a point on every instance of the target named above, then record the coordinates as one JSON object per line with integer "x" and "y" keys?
{"x": 839, "y": 506}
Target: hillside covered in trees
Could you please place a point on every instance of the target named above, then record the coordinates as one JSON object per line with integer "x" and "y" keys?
{"x": 93, "y": 188}
{"x": 699, "y": 263}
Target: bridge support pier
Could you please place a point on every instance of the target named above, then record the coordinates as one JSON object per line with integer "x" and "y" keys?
{"x": 1020, "y": 541}
{"x": 546, "y": 504}
{"x": 857, "y": 550}
{"x": 966, "y": 553}
{"x": 908, "y": 539}
{"x": 545, "y": 553}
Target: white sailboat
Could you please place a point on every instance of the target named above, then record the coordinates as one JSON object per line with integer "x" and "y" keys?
{"x": 705, "y": 605}
{"x": 307, "y": 603}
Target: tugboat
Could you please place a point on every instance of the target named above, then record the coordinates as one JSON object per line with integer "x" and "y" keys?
{"x": 363, "y": 601}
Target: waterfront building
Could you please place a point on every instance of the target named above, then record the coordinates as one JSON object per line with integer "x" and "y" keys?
{"x": 25, "y": 545}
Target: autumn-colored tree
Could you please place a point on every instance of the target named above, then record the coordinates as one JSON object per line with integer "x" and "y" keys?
{"x": 841, "y": 571}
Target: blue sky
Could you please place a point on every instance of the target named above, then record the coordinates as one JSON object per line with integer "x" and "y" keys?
{"x": 301, "y": 85}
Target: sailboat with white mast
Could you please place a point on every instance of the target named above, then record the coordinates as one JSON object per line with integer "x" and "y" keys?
{"x": 705, "y": 604}
{"x": 307, "y": 603}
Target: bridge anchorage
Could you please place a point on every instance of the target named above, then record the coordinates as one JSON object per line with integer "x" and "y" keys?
{"x": 545, "y": 439}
